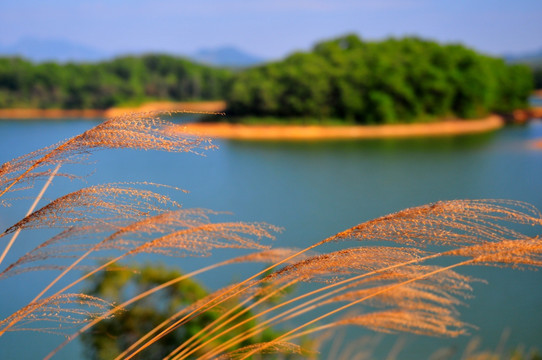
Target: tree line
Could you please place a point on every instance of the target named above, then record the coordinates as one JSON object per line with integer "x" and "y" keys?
{"x": 122, "y": 81}
{"x": 395, "y": 80}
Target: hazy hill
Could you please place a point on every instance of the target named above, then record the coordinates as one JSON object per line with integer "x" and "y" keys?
{"x": 530, "y": 58}
{"x": 226, "y": 56}
{"x": 39, "y": 50}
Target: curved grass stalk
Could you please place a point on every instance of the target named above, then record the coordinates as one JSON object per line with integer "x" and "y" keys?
{"x": 304, "y": 307}
{"x": 513, "y": 253}
{"x": 143, "y": 131}
{"x": 101, "y": 267}
{"x": 263, "y": 325}
{"x": 126, "y": 353}
{"x": 292, "y": 333}
{"x": 75, "y": 263}
{"x": 132, "y": 300}
{"x": 188, "y": 350}
{"x": 444, "y": 223}
{"x": 193, "y": 341}
{"x": 155, "y": 223}
{"x": 261, "y": 256}
{"x": 137, "y": 130}
{"x": 53, "y": 309}
{"x": 485, "y": 211}
{"x": 156, "y": 243}
{"x": 207, "y": 306}
{"x": 36, "y": 299}
{"x": 30, "y": 210}
{"x": 35, "y": 165}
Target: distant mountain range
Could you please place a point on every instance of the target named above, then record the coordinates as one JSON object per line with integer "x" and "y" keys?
{"x": 40, "y": 50}
{"x": 52, "y": 50}
{"x": 532, "y": 58}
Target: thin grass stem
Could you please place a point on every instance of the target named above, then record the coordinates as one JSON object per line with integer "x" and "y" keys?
{"x": 290, "y": 334}
{"x": 194, "y": 312}
{"x": 263, "y": 325}
{"x": 35, "y": 165}
{"x": 132, "y": 300}
{"x": 197, "y": 338}
{"x": 30, "y": 210}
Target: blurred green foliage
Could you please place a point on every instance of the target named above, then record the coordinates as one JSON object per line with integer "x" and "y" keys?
{"x": 537, "y": 72}
{"x": 122, "y": 81}
{"x": 110, "y": 337}
{"x": 396, "y": 80}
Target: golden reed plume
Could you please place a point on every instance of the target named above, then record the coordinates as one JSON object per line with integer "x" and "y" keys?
{"x": 144, "y": 131}
{"x": 409, "y": 285}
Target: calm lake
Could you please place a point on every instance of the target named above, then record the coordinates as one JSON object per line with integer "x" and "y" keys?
{"x": 312, "y": 190}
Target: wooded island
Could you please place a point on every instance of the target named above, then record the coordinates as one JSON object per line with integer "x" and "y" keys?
{"x": 345, "y": 80}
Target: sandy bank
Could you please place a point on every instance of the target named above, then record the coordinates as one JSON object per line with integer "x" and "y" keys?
{"x": 521, "y": 116}
{"x": 199, "y": 106}
{"x": 294, "y": 132}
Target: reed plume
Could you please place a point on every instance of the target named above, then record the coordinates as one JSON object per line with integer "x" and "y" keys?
{"x": 74, "y": 240}
{"x": 144, "y": 131}
{"x": 421, "y": 322}
{"x": 93, "y": 210}
{"x": 458, "y": 223}
{"x": 198, "y": 235}
{"x": 409, "y": 285}
{"x": 100, "y": 203}
{"x": 433, "y": 315}
{"x": 59, "y": 312}
{"x": 265, "y": 256}
{"x": 454, "y": 222}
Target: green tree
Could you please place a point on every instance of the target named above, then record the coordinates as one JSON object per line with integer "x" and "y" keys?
{"x": 395, "y": 80}
{"x": 124, "y": 80}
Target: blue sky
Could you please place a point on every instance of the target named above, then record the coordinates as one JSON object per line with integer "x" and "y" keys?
{"x": 270, "y": 28}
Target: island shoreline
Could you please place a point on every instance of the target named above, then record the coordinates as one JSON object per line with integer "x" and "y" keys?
{"x": 343, "y": 132}
{"x": 225, "y": 130}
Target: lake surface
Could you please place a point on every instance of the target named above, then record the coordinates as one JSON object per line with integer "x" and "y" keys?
{"x": 313, "y": 190}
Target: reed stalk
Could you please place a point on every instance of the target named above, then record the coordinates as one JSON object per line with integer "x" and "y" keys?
{"x": 30, "y": 210}
{"x": 291, "y": 334}
{"x": 209, "y": 305}
{"x": 476, "y": 229}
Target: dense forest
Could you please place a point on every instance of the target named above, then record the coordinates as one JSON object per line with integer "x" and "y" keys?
{"x": 121, "y": 81}
{"x": 381, "y": 82}
{"x": 354, "y": 81}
